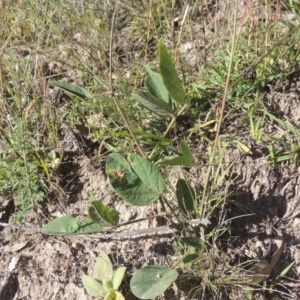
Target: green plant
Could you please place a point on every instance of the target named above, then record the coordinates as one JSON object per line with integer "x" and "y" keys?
{"x": 21, "y": 169}
{"x": 100, "y": 218}
{"x": 64, "y": 46}
{"x": 151, "y": 281}
{"x": 105, "y": 282}
{"x": 138, "y": 181}
{"x": 284, "y": 149}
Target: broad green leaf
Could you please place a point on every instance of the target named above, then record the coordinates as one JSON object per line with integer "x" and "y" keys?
{"x": 99, "y": 211}
{"x": 154, "y": 104}
{"x": 169, "y": 74}
{"x": 93, "y": 287}
{"x": 186, "y": 159}
{"x": 137, "y": 180}
{"x": 151, "y": 281}
{"x": 193, "y": 241}
{"x": 186, "y": 196}
{"x": 69, "y": 225}
{"x": 155, "y": 86}
{"x": 147, "y": 172}
{"x": 62, "y": 225}
{"x": 103, "y": 269}
{"x": 89, "y": 226}
{"x": 72, "y": 89}
{"x": 94, "y": 215}
{"x": 190, "y": 258}
{"x": 118, "y": 277}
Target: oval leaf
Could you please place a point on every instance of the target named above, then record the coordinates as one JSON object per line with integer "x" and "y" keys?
{"x": 169, "y": 75}
{"x": 193, "y": 241}
{"x": 100, "y": 210}
{"x": 151, "y": 281}
{"x": 93, "y": 287}
{"x": 63, "y": 225}
{"x": 154, "y": 104}
{"x": 185, "y": 196}
{"x": 89, "y": 226}
{"x": 95, "y": 216}
{"x": 103, "y": 269}
{"x": 155, "y": 85}
{"x": 69, "y": 225}
{"x": 118, "y": 277}
{"x": 190, "y": 258}
{"x": 138, "y": 182}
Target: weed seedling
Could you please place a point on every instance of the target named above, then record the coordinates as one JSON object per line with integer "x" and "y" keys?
{"x": 105, "y": 282}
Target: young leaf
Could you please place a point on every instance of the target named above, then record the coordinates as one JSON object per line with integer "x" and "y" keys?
{"x": 107, "y": 284}
{"x": 185, "y": 196}
{"x": 154, "y": 104}
{"x": 63, "y": 225}
{"x": 98, "y": 209}
{"x": 137, "y": 181}
{"x": 155, "y": 86}
{"x": 193, "y": 241}
{"x": 68, "y": 225}
{"x": 103, "y": 269}
{"x": 93, "y": 287}
{"x": 94, "y": 215}
{"x": 186, "y": 159}
{"x": 118, "y": 277}
{"x": 190, "y": 258}
{"x": 72, "y": 89}
{"x": 114, "y": 295}
{"x": 169, "y": 75}
{"x": 151, "y": 281}
{"x": 89, "y": 226}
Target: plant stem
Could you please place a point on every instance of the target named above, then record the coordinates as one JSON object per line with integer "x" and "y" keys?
{"x": 205, "y": 194}
{"x": 114, "y": 98}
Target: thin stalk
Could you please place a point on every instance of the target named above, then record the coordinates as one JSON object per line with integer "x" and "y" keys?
{"x": 205, "y": 194}
{"x": 114, "y": 98}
